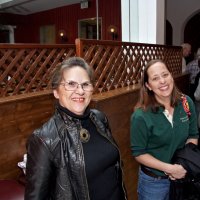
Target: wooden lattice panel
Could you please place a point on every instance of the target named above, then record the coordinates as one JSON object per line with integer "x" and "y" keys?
{"x": 120, "y": 64}
{"x": 27, "y": 68}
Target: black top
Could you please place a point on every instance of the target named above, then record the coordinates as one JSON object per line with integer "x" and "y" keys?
{"x": 100, "y": 162}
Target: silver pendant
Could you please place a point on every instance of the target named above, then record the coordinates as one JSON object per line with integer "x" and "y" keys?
{"x": 84, "y": 135}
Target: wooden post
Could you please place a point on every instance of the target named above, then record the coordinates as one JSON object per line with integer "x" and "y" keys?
{"x": 79, "y": 47}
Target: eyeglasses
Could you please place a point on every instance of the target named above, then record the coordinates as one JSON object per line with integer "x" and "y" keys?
{"x": 72, "y": 85}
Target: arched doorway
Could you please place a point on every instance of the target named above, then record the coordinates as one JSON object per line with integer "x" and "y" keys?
{"x": 169, "y": 33}
{"x": 192, "y": 33}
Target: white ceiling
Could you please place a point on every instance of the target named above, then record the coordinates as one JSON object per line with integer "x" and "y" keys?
{"x": 25, "y": 7}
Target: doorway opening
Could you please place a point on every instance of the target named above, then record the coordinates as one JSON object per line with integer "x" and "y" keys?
{"x": 87, "y": 28}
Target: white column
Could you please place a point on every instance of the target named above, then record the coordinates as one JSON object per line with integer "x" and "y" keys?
{"x": 161, "y": 20}
{"x": 125, "y": 5}
{"x": 11, "y": 33}
{"x": 143, "y": 21}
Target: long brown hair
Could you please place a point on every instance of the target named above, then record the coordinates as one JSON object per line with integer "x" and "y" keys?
{"x": 147, "y": 97}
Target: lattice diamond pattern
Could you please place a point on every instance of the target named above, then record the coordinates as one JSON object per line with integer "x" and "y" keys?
{"x": 25, "y": 70}
{"x": 120, "y": 64}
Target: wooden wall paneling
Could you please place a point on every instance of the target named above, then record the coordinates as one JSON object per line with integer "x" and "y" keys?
{"x": 18, "y": 119}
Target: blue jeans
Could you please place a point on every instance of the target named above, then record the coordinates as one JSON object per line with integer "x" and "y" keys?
{"x": 150, "y": 188}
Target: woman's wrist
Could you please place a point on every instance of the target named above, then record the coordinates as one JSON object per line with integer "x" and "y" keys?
{"x": 167, "y": 168}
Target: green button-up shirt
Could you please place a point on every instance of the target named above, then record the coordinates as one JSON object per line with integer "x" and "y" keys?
{"x": 152, "y": 133}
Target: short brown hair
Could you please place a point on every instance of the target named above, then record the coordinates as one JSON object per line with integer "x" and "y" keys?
{"x": 68, "y": 64}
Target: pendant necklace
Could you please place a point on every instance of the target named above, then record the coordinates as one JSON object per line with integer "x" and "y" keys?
{"x": 84, "y": 135}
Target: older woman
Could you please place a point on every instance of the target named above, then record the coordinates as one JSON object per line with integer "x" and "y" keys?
{"x": 73, "y": 156}
{"x": 164, "y": 121}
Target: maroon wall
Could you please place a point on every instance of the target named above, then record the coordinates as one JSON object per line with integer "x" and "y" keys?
{"x": 27, "y": 30}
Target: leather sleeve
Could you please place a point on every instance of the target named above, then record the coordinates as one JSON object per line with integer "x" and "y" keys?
{"x": 38, "y": 169}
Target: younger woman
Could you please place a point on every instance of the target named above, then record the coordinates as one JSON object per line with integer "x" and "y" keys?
{"x": 164, "y": 121}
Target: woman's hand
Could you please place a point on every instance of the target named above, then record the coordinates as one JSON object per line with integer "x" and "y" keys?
{"x": 176, "y": 172}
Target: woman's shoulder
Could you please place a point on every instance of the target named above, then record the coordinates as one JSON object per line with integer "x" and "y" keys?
{"x": 139, "y": 112}
{"x": 99, "y": 114}
{"x": 47, "y": 130}
{"x": 187, "y": 104}
{"x": 188, "y": 98}
{"x": 143, "y": 111}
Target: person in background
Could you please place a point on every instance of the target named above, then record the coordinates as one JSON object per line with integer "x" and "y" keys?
{"x": 193, "y": 68}
{"x": 163, "y": 121}
{"x": 186, "y": 52}
{"x": 197, "y": 104}
{"x": 197, "y": 99}
{"x": 73, "y": 156}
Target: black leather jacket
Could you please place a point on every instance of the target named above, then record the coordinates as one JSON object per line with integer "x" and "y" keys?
{"x": 55, "y": 165}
